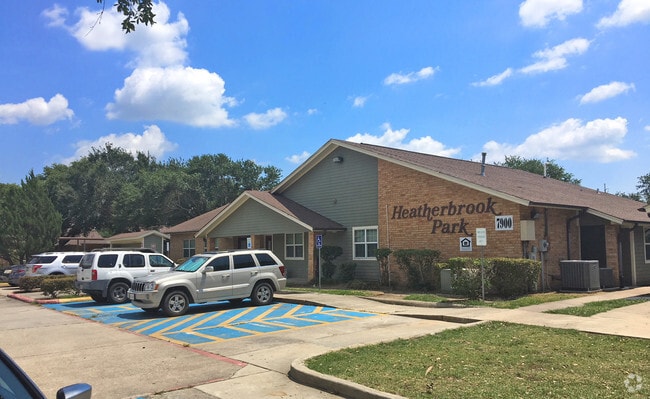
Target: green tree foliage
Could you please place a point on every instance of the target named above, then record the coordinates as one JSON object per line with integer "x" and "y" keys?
{"x": 553, "y": 170}
{"x": 112, "y": 191}
{"x": 644, "y": 188}
{"x": 135, "y": 12}
{"x": 29, "y": 220}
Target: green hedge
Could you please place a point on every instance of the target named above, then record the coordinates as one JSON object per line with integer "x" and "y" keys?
{"x": 52, "y": 286}
{"x": 504, "y": 277}
{"x": 420, "y": 266}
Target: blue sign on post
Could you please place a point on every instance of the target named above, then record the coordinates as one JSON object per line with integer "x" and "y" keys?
{"x": 319, "y": 241}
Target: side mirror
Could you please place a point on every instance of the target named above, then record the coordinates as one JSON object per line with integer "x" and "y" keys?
{"x": 208, "y": 269}
{"x": 76, "y": 391}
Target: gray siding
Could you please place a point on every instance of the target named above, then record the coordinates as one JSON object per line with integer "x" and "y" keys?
{"x": 347, "y": 193}
{"x": 254, "y": 218}
{"x": 154, "y": 242}
{"x": 642, "y": 268}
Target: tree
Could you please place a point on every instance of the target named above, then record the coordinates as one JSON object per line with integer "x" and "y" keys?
{"x": 135, "y": 12}
{"x": 644, "y": 188}
{"x": 30, "y": 222}
{"x": 553, "y": 170}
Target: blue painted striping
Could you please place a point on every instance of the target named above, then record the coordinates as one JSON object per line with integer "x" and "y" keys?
{"x": 260, "y": 327}
{"x": 224, "y": 332}
{"x": 324, "y": 317}
{"x": 187, "y": 338}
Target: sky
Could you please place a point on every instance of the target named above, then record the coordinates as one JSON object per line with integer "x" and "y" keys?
{"x": 274, "y": 80}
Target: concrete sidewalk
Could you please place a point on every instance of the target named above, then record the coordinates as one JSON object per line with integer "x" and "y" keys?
{"x": 259, "y": 367}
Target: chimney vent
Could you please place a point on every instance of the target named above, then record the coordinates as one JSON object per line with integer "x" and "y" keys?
{"x": 483, "y": 154}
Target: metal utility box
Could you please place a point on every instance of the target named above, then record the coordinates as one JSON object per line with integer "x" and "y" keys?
{"x": 445, "y": 281}
{"x": 527, "y": 230}
{"x": 580, "y": 275}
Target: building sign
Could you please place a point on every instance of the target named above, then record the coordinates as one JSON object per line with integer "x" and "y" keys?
{"x": 481, "y": 237}
{"x": 466, "y": 244}
{"x": 503, "y": 223}
{"x": 436, "y": 213}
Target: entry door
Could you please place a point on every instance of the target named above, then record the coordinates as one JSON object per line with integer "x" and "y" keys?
{"x": 592, "y": 244}
{"x": 217, "y": 284}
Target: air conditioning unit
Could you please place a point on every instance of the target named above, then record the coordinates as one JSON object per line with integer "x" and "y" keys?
{"x": 580, "y": 275}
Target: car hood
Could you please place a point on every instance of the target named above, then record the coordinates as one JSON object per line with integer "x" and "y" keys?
{"x": 164, "y": 276}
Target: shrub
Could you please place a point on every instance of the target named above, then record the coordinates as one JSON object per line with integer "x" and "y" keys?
{"x": 328, "y": 253}
{"x": 466, "y": 276}
{"x": 382, "y": 257}
{"x": 30, "y": 283}
{"x": 53, "y": 286}
{"x": 346, "y": 271}
{"x": 513, "y": 277}
{"x": 419, "y": 266}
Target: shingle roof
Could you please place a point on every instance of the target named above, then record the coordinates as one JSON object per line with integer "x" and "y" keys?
{"x": 518, "y": 185}
{"x": 195, "y": 224}
{"x": 135, "y": 235}
{"x": 511, "y": 184}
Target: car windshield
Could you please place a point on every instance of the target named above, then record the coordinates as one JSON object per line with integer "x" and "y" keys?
{"x": 192, "y": 264}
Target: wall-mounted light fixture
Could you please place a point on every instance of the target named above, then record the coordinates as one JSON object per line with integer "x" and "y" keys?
{"x": 337, "y": 159}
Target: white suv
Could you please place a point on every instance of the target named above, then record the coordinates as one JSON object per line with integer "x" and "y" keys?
{"x": 107, "y": 274}
{"x": 53, "y": 263}
{"x": 212, "y": 276}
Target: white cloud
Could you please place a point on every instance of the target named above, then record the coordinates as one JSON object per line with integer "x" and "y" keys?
{"x": 263, "y": 121}
{"x": 359, "y": 101}
{"x": 312, "y": 111}
{"x": 495, "y": 80}
{"x": 36, "y": 111}
{"x": 184, "y": 95}
{"x": 538, "y": 13}
{"x": 298, "y": 158}
{"x": 161, "y": 44}
{"x": 400, "y": 78}
{"x": 152, "y": 141}
{"x": 604, "y": 92}
{"x": 628, "y": 12}
{"x": 555, "y": 58}
{"x": 396, "y": 139}
{"x": 596, "y": 140}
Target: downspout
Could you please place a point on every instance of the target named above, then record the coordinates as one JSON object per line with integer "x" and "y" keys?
{"x": 568, "y": 234}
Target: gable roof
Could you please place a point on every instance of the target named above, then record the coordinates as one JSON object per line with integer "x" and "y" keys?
{"x": 514, "y": 185}
{"x": 279, "y": 204}
{"x": 196, "y": 223}
{"x": 136, "y": 235}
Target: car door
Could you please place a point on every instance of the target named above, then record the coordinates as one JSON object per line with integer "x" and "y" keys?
{"x": 216, "y": 284}
{"x": 159, "y": 263}
{"x": 135, "y": 265}
{"x": 245, "y": 271}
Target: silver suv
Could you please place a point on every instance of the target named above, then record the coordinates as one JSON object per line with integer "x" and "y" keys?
{"x": 53, "y": 263}
{"x": 107, "y": 274}
{"x": 212, "y": 276}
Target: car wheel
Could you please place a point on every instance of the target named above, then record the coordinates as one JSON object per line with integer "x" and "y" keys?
{"x": 262, "y": 294}
{"x": 117, "y": 292}
{"x": 98, "y": 298}
{"x": 175, "y": 303}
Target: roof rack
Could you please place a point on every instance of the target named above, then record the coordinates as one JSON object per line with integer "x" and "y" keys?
{"x": 143, "y": 250}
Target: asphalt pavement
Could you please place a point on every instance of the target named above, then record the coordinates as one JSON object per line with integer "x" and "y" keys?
{"x": 58, "y": 349}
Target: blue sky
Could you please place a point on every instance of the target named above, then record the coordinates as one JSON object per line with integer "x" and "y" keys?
{"x": 273, "y": 80}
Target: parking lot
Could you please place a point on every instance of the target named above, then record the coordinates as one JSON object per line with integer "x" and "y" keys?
{"x": 211, "y": 323}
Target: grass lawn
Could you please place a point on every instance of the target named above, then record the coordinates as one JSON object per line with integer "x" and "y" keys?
{"x": 533, "y": 299}
{"x": 592, "y": 308}
{"x": 497, "y": 360}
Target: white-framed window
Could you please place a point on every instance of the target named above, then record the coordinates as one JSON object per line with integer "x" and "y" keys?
{"x": 189, "y": 248}
{"x": 646, "y": 234}
{"x": 294, "y": 246}
{"x": 365, "y": 242}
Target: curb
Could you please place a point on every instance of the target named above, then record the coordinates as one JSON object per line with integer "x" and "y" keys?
{"x": 305, "y": 376}
{"x": 27, "y": 299}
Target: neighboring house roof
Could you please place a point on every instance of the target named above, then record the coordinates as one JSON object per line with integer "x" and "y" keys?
{"x": 92, "y": 237}
{"x": 515, "y": 185}
{"x": 195, "y": 224}
{"x": 136, "y": 235}
{"x": 276, "y": 203}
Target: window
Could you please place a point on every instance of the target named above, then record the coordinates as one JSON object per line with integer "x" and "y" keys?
{"x": 243, "y": 261}
{"x": 72, "y": 259}
{"x": 189, "y": 248}
{"x": 647, "y": 245}
{"x": 159, "y": 261}
{"x": 220, "y": 264}
{"x": 294, "y": 246}
{"x": 133, "y": 260}
{"x": 365, "y": 242}
{"x": 107, "y": 261}
{"x": 265, "y": 259}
